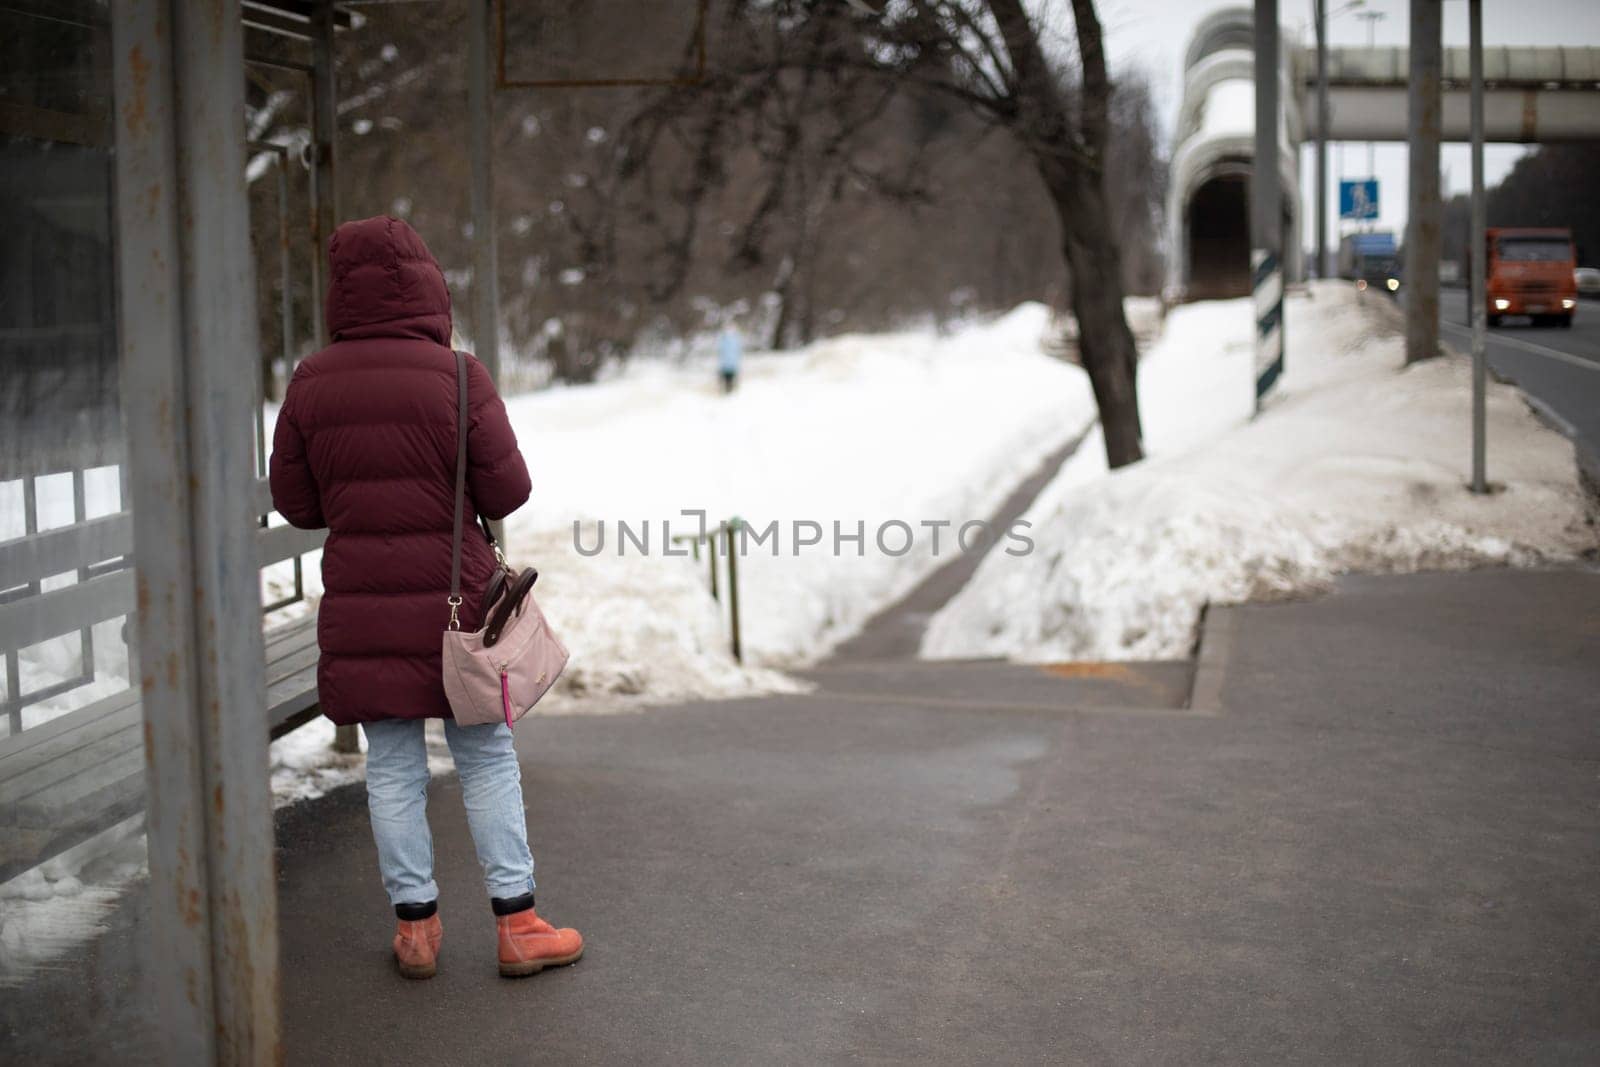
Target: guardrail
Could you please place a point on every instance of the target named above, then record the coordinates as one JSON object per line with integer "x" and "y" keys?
{"x": 725, "y": 532}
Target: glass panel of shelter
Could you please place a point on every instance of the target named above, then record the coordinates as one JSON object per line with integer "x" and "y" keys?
{"x": 72, "y": 848}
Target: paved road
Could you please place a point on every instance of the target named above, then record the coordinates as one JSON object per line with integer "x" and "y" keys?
{"x": 1559, "y": 367}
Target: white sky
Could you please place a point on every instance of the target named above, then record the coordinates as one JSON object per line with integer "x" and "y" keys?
{"x": 1151, "y": 35}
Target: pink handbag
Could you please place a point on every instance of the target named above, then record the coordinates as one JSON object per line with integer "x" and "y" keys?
{"x": 499, "y": 672}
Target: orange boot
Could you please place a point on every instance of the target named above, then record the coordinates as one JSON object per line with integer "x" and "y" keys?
{"x": 416, "y": 942}
{"x": 528, "y": 944}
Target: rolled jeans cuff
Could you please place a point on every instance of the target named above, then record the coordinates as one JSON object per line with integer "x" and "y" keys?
{"x": 507, "y": 890}
{"x": 421, "y": 894}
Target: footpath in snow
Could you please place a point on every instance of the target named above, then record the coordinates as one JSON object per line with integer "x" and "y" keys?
{"x": 1357, "y": 464}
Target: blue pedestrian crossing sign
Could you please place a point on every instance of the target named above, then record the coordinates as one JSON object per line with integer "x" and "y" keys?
{"x": 1358, "y": 199}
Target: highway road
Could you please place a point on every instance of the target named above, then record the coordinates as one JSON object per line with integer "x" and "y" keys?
{"x": 1561, "y": 367}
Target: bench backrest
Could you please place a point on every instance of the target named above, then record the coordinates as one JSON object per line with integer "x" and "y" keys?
{"x": 38, "y": 605}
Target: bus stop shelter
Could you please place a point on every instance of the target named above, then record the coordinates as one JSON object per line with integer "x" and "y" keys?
{"x": 141, "y": 685}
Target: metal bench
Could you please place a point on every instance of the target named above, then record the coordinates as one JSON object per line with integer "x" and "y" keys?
{"x": 66, "y": 779}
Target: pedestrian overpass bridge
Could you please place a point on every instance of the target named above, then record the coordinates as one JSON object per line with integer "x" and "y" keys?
{"x": 1531, "y": 95}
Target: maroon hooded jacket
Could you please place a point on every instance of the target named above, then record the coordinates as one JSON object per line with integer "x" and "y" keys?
{"x": 366, "y": 446}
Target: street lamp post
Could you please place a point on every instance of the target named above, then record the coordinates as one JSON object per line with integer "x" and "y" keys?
{"x": 1479, "y": 254}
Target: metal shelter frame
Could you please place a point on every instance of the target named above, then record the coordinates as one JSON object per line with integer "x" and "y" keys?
{"x": 186, "y": 303}
{"x": 186, "y": 309}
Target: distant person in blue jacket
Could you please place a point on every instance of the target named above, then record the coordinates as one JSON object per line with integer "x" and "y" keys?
{"x": 730, "y": 350}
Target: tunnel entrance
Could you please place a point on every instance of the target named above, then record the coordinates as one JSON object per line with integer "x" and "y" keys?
{"x": 1219, "y": 239}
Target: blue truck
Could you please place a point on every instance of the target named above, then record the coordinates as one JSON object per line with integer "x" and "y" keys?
{"x": 1370, "y": 259}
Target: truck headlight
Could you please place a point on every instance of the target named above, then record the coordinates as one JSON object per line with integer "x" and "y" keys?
{"x": 1393, "y": 284}
{"x": 1501, "y": 305}
{"x": 1567, "y": 303}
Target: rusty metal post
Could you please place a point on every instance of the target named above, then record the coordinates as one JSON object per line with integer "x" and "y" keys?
{"x": 324, "y": 149}
{"x": 485, "y": 244}
{"x": 480, "y": 132}
{"x": 186, "y": 321}
{"x": 325, "y": 198}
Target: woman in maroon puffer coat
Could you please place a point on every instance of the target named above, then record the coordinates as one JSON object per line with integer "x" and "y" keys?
{"x": 366, "y": 446}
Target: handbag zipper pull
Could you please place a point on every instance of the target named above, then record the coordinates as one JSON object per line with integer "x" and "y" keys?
{"x": 505, "y": 696}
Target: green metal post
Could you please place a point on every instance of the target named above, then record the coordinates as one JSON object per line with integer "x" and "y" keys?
{"x": 731, "y": 528}
{"x": 711, "y": 554}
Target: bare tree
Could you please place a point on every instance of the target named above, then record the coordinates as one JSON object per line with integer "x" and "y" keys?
{"x": 835, "y": 168}
{"x": 991, "y": 54}
{"x": 794, "y": 129}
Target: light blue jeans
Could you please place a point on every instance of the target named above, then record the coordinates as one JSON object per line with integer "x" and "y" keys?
{"x": 397, "y": 798}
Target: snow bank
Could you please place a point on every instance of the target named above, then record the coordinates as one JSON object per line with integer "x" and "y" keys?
{"x": 304, "y": 765}
{"x": 50, "y": 910}
{"x": 1358, "y": 464}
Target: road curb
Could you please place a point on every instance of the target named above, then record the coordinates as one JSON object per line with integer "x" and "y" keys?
{"x": 1217, "y": 625}
{"x": 1587, "y": 462}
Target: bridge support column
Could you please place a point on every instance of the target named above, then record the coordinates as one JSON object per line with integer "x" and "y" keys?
{"x": 1425, "y": 217}
{"x": 1321, "y": 17}
{"x": 1266, "y": 204}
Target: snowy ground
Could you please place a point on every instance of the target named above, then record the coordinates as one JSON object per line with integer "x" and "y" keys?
{"x": 1357, "y": 464}
{"x": 51, "y": 909}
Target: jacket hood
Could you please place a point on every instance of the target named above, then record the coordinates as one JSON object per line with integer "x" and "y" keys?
{"x": 385, "y": 283}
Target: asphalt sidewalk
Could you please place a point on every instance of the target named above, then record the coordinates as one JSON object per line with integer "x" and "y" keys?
{"x": 1380, "y": 845}
{"x": 1374, "y": 840}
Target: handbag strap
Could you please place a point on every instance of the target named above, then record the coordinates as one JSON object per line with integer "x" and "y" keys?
{"x": 461, "y": 498}
{"x": 461, "y": 490}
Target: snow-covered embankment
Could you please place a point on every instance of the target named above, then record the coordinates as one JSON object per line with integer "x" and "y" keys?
{"x": 1358, "y": 464}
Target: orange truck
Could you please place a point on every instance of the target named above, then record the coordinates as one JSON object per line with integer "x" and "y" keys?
{"x": 1530, "y": 273}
